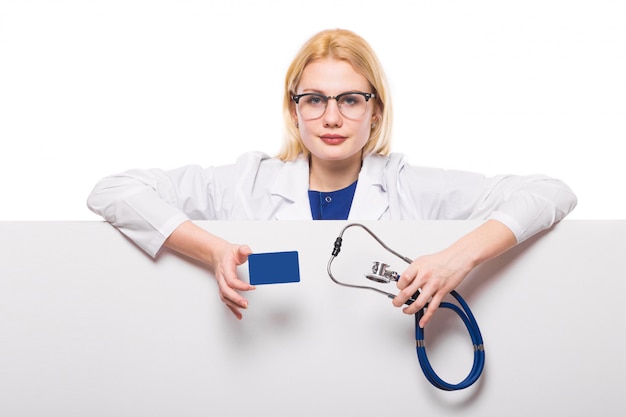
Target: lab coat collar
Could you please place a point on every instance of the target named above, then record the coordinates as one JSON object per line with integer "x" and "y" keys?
{"x": 370, "y": 198}
{"x": 292, "y": 184}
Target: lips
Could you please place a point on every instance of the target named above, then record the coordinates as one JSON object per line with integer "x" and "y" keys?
{"x": 333, "y": 139}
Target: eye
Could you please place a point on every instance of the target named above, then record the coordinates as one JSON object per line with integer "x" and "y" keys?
{"x": 313, "y": 100}
{"x": 352, "y": 99}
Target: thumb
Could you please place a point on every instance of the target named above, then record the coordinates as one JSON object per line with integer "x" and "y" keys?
{"x": 242, "y": 253}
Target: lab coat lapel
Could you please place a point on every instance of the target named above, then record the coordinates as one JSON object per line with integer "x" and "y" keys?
{"x": 370, "y": 198}
{"x": 370, "y": 201}
{"x": 291, "y": 189}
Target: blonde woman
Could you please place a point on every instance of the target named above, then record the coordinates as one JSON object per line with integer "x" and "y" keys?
{"x": 335, "y": 164}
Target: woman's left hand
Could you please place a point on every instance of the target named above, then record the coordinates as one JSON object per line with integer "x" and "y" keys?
{"x": 438, "y": 274}
{"x": 434, "y": 276}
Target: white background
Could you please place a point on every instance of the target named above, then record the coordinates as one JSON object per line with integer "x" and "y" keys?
{"x": 89, "y": 88}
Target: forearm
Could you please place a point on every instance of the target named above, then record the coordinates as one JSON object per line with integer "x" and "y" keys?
{"x": 487, "y": 241}
{"x": 196, "y": 243}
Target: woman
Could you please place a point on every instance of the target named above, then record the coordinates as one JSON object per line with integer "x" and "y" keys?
{"x": 335, "y": 164}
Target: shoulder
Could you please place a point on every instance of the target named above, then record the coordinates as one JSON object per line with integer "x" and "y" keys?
{"x": 259, "y": 171}
{"x": 376, "y": 163}
{"x": 264, "y": 163}
{"x": 396, "y": 172}
{"x": 249, "y": 163}
{"x": 397, "y": 165}
{"x": 255, "y": 158}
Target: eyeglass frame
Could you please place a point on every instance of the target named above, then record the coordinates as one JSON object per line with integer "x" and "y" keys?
{"x": 296, "y": 99}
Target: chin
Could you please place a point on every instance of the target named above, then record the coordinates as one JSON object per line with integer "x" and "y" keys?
{"x": 336, "y": 156}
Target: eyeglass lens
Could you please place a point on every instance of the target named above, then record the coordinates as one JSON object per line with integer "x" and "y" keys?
{"x": 352, "y": 106}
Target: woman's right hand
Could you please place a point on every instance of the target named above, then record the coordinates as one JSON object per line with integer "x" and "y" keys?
{"x": 229, "y": 284}
{"x": 222, "y": 256}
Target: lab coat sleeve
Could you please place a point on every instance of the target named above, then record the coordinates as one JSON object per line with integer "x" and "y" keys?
{"x": 530, "y": 204}
{"x": 148, "y": 205}
{"x": 525, "y": 204}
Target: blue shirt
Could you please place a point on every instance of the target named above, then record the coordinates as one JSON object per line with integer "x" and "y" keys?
{"x": 333, "y": 205}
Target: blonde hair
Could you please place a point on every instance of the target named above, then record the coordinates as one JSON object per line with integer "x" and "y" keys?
{"x": 342, "y": 45}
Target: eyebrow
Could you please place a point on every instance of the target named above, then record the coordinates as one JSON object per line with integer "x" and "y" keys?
{"x": 315, "y": 91}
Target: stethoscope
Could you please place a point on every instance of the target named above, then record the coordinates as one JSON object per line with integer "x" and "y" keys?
{"x": 381, "y": 273}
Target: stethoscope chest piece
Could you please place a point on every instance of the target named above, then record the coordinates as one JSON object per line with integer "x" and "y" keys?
{"x": 381, "y": 274}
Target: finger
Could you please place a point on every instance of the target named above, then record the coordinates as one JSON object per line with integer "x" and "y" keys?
{"x": 230, "y": 296}
{"x": 430, "y": 311}
{"x": 230, "y": 277}
{"x": 237, "y": 284}
{"x": 407, "y": 277}
{"x": 234, "y": 300}
{"x": 415, "y": 283}
{"x": 402, "y": 297}
{"x": 419, "y": 303}
{"x": 235, "y": 311}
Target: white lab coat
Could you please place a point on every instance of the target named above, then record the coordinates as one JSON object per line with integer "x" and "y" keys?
{"x": 148, "y": 205}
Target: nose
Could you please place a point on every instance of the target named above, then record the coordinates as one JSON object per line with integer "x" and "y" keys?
{"x": 332, "y": 115}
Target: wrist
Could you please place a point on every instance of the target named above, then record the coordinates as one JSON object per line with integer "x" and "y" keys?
{"x": 485, "y": 242}
{"x": 196, "y": 243}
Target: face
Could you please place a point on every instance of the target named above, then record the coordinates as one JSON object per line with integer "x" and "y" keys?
{"x": 332, "y": 136}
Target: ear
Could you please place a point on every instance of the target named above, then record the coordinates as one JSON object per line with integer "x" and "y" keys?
{"x": 294, "y": 114}
{"x": 376, "y": 115}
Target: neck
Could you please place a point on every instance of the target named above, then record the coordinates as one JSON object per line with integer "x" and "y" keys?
{"x": 333, "y": 175}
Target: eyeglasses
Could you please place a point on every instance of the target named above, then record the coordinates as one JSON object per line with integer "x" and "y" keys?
{"x": 351, "y": 105}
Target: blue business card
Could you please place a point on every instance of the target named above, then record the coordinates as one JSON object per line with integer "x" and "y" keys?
{"x": 273, "y": 268}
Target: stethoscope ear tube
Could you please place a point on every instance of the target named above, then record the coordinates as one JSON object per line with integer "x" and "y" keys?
{"x": 463, "y": 312}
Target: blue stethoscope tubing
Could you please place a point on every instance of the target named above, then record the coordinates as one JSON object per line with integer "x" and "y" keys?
{"x": 477, "y": 340}
{"x": 463, "y": 312}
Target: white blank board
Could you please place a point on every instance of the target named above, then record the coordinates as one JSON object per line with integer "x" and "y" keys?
{"x": 90, "y": 325}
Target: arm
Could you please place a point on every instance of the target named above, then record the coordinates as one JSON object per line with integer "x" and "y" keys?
{"x": 222, "y": 256}
{"x": 154, "y": 207}
{"x": 514, "y": 208}
{"x": 148, "y": 205}
{"x": 440, "y": 273}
